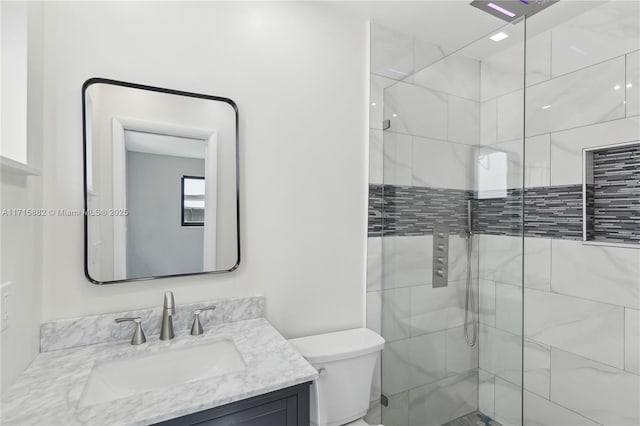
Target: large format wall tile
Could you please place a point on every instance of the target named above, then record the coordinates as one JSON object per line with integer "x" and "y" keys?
{"x": 585, "y": 97}
{"x": 486, "y": 392}
{"x": 435, "y": 309}
{"x": 604, "y": 32}
{"x": 538, "y": 58}
{"x": 377, "y": 84}
{"x": 397, "y": 412}
{"x": 508, "y": 403}
{"x": 602, "y": 393}
{"x": 537, "y": 367}
{"x": 542, "y": 412}
{"x": 409, "y": 363}
{"x": 396, "y": 314}
{"x": 605, "y": 274}
{"x": 489, "y": 122}
{"x": 537, "y": 170}
{"x": 510, "y": 116}
{"x": 566, "y": 146}
{"x": 571, "y": 323}
{"x": 391, "y": 53}
{"x": 460, "y": 357}
{"x": 464, "y": 121}
{"x": 447, "y": 399}
{"x": 456, "y": 74}
{"x": 632, "y": 85}
{"x": 501, "y": 353}
{"x": 509, "y": 308}
{"x": 416, "y": 111}
{"x": 487, "y": 303}
{"x": 502, "y": 72}
{"x": 632, "y": 340}
{"x": 537, "y": 263}
{"x": 440, "y": 164}
{"x": 398, "y": 153}
{"x": 426, "y": 53}
{"x": 501, "y": 258}
{"x": 406, "y": 261}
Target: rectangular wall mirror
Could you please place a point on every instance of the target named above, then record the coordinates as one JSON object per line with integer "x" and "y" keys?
{"x": 161, "y": 182}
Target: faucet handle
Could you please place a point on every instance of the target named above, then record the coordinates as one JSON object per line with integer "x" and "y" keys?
{"x": 138, "y": 335}
{"x": 196, "y": 327}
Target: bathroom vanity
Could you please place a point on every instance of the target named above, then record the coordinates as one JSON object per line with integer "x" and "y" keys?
{"x": 239, "y": 371}
{"x": 286, "y": 407}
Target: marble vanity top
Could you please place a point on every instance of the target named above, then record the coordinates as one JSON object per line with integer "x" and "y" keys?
{"x": 49, "y": 391}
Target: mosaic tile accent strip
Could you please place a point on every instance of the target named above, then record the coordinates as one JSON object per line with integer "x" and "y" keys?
{"x": 412, "y": 210}
{"x": 550, "y": 212}
{"x": 616, "y": 194}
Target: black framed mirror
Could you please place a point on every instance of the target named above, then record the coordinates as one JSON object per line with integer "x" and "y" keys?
{"x": 161, "y": 180}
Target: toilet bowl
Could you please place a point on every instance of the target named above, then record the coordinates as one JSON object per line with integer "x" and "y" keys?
{"x": 345, "y": 361}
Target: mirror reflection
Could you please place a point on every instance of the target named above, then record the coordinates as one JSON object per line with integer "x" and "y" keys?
{"x": 161, "y": 182}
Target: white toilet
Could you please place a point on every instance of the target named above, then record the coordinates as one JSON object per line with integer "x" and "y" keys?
{"x": 345, "y": 361}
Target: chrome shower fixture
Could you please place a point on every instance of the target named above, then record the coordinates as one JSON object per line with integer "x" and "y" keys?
{"x": 511, "y": 10}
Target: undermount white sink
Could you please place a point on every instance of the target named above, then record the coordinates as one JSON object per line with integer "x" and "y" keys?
{"x": 124, "y": 377}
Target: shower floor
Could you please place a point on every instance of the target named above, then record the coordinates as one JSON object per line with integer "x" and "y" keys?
{"x": 473, "y": 419}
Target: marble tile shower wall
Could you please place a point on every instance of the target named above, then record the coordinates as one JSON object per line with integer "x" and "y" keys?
{"x": 428, "y": 371}
{"x": 581, "y": 302}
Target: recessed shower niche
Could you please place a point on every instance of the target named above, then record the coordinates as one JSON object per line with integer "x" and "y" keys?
{"x": 611, "y": 194}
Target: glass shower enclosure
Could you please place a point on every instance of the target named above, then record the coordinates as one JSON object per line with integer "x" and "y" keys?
{"x": 450, "y": 210}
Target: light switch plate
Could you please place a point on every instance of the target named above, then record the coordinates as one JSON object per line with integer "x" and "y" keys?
{"x": 5, "y": 297}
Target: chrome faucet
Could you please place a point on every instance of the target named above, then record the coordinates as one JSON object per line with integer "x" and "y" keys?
{"x": 166, "y": 330}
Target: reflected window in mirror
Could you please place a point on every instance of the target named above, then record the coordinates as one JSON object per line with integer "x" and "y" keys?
{"x": 193, "y": 201}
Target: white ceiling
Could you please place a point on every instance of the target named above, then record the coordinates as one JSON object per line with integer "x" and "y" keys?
{"x": 453, "y": 23}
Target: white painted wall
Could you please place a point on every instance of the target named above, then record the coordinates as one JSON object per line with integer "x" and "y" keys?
{"x": 298, "y": 74}
{"x": 21, "y": 237}
{"x": 14, "y": 80}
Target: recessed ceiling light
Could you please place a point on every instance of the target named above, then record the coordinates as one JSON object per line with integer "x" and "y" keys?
{"x": 499, "y": 36}
{"x": 546, "y": 107}
{"x": 395, "y": 115}
{"x": 616, "y": 87}
{"x": 629, "y": 85}
{"x": 373, "y": 104}
{"x": 502, "y": 10}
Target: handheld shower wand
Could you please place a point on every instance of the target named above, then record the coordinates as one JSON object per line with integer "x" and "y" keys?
{"x": 470, "y": 300}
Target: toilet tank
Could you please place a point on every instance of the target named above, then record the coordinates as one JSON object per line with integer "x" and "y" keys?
{"x": 345, "y": 361}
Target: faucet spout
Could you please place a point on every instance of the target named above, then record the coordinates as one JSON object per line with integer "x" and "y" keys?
{"x": 168, "y": 310}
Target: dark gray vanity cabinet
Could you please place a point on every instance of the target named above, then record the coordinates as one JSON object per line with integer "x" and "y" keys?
{"x": 284, "y": 407}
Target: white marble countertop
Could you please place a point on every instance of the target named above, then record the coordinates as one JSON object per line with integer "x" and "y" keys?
{"x": 49, "y": 390}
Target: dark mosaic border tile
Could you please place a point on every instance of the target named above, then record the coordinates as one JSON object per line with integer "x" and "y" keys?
{"x": 616, "y": 195}
{"x": 412, "y": 210}
{"x": 550, "y": 212}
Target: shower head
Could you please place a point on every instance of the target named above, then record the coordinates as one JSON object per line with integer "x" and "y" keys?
{"x": 511, "y": 10}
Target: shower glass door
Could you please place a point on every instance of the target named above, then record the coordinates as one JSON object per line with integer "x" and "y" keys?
{"x": 452, "y": 227}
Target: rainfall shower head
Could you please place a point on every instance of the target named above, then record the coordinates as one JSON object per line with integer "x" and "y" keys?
{"x": 510, "y": 10}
